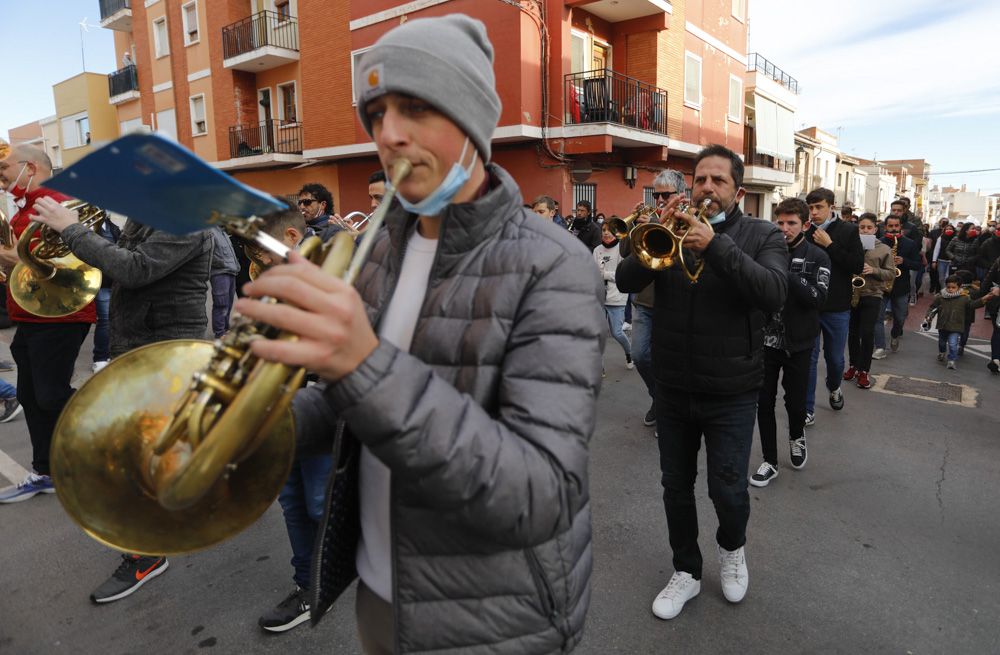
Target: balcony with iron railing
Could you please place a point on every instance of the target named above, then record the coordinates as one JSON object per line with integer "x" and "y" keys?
{"x": 267, "y": 137}
{"x": 260, "y": 42}
{"x": 606, "y": 96}
{"x": 123, "y": 85}
{"x": 756, "y": 63}
{"x": 116, "y": 14}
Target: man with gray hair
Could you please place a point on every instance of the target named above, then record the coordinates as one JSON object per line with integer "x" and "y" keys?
{"x": 666, "y": 184}
{"x": 44, "y": 348}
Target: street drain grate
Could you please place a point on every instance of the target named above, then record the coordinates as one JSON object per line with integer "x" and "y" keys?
{"x": 942, "y": 392}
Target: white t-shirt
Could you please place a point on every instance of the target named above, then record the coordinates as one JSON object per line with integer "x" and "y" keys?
{"x": 607, "y": 261}
{"x": 374, "y": 557}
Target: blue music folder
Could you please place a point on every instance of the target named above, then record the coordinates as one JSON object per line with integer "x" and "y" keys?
{"x": 160, "y": 184}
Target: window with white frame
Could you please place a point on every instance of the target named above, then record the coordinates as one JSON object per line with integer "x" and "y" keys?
{"x": 287, "y": 111}
{"x": 355, "y": 61}
{"x": 692, "y": 80}
{"x": 161, "y": 42}
{"x": 74, "y": 130}
{"x": 740, "y": 9}
{"x": 735, "y": 99}
{"x": 588, "y": 52}
{"x": 199, "y": 124}
{"x": 283, "y": 8}
{"x": 189, "y": 13}
{"x": 129, "y": 126}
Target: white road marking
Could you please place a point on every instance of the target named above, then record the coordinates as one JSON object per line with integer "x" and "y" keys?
{"x": 11, "y": 469}
{"x": 980, "y": 349}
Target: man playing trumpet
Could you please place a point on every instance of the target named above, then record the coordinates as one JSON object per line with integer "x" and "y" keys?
{"x": 466, "y": 361}
{"x": 708, "y": 339}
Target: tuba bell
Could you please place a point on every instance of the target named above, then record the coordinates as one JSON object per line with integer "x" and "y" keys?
{"x": 50, "y": 280}
{"x": 198, "y": 443}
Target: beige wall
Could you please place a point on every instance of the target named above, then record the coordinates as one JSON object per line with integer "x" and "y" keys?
{"x": 86, "y": 92}
{"x": 205, "y": 145}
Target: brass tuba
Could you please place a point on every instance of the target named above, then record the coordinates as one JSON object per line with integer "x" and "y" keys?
{"x": 50, "y": 280}
{"x": 199, "y": 442}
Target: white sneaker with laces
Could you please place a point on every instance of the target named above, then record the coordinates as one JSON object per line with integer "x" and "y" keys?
{"x": 879, "y": 353}
{"x": 681, "y": 588}
{"x": 734, "y": 574}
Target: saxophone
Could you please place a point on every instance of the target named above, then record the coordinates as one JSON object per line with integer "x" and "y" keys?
{"x": 888, "y": 283}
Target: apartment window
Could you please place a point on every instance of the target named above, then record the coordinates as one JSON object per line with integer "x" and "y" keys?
{"x": 840, "y": 179}
{"x": 584, "y": 191}
{"x": 692, "y": 80}
{"x": 166, "y": 124}
{"x": 161, "y": 42}
{"x": 283, "y": 8}
{"x": 189, "y": 13}
{"x": 286, "y": 103}
{"x": 130, "y": 126}
{"x": 355, "y": 60}
{"x": 199, "y": 125}
{"x": 735, "y": 98}
{"x": 579, "y": 52}
{"x": 740, "y": 9}
{"x": 588, "y": 53}
{"x": 75, "y": 130}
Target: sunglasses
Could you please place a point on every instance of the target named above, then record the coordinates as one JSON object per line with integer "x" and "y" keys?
{"x": 663, "y": 195}
{"x": 305, "y": 202}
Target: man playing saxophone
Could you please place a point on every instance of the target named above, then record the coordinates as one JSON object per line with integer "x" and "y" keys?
{"x": 906, "y": 258}
{"x": 466, "y": 361}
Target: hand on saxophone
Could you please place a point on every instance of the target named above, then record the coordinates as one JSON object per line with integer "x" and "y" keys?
{"x": 51, "y": 213}
{"x": 334, "y": 335}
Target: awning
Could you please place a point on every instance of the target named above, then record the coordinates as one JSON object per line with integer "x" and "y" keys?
{"x": 766, "y": 113}
{"x": 786, "y": 134}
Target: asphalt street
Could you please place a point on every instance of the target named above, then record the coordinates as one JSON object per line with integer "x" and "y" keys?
{"x": 885, "y": 543}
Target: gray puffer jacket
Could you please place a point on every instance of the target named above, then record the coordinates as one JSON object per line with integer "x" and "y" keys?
{"x": 484, "y": 425}
{"x": 159, "y": 282}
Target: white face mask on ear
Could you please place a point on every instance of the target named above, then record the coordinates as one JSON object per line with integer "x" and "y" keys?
{"x": 19, "y": 193}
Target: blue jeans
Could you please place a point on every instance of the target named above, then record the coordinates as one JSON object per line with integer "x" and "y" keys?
{"x": 900, "y": 308}
{"x": 727, "y": 425}
{"x": 7, "y": 390}
{"x": 834, "y": 327}
{"x": 223, "y": 293}
{"x": 616, "y": 315}
{"x": 949, "y": 339}
{"x": 302, "y": 500}
{"x": 943, "y": 270}
{"x": 642, "y": 344}
{"x": 102, "y": 337}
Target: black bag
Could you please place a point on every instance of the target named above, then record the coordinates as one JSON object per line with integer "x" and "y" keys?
{"x": 333, "y": 567}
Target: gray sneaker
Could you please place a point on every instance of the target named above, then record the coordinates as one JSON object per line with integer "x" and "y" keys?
{"x": 837, "y": 399}
{"x": 649, "y": 419}
{"x": 879, "y": 353}
{"x": 9, "y": 410}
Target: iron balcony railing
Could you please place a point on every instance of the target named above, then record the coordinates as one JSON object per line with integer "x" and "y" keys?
{"x": 111, "y": 7}
{"x": 757, "y": 63}
{"x": 767, "y": 161}
{"x": 123, "y": 80}
{"x": 604, "y": 96}
{"x": 266, "y": 137}
{"x": 265, "y": 28}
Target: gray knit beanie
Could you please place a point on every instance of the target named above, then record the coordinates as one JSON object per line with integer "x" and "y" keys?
{"x": 447, "y": 62}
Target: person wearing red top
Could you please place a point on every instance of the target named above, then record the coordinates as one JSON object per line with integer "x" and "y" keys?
{"x": 45, "y": 349}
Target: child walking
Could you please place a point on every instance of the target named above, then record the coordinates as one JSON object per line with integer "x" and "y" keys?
{"x": 954, "y": 311}
{"x": 607, "y": 257}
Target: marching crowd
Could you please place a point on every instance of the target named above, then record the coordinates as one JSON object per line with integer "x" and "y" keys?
{"x": 442, "y": 452}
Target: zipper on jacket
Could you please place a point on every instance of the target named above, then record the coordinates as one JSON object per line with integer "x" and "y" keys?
{"x": 544, "y": 589}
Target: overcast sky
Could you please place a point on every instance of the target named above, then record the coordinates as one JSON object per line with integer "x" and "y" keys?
{"x": 899, "y": 78}
{"x": 903, "y": 79}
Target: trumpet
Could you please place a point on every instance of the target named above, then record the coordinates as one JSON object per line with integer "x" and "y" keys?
{"x": 661, "y": 246}
{"x": 359, "y": 226}
{"x": 153, "y": 466}
{"x": 620, "y": 227}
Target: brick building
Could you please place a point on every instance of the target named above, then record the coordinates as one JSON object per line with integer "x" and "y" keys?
{"x": 597, "y": 94}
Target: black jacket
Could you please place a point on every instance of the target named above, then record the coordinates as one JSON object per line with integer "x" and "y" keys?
{"x": 989, "y": 250}
{"x": 795, "y": 328}
{"x": 847, "y": 258}
{"x": 588, "y": 231}
{"x": 708, "y": 337}
{"x": 910, "y": 253}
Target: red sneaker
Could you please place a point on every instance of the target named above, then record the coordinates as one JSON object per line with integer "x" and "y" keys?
{"x": 850, "y": 373}
{"x": 863, "y": 381}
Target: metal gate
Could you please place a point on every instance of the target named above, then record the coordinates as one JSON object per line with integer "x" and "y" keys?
{"x": 585, "y": 191}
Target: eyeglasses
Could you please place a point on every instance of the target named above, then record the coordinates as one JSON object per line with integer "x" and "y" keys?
{"x": 663, "y": 195}
{"x": 305, "y": 202}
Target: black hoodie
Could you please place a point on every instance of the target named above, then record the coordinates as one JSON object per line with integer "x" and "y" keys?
{"x": 847, "y": 258}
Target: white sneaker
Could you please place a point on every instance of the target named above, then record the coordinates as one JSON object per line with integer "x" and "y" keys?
{"x": 681, "y": 588}
{"x": 626, "y": 327}
{"x": 734, "y": 574}
{"x": 879, "y": 353}
{"x": 100, "y": 364}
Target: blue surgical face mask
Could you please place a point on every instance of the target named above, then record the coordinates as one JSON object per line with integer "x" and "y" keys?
{"x": 442, "y": 196}
{"x": 718, "y": 218}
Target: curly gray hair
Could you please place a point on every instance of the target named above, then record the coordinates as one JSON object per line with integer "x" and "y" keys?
{"x": 671, "y": 178}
